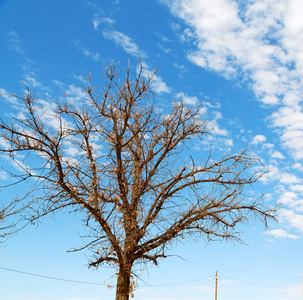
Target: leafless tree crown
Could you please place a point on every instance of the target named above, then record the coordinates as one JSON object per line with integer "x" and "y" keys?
{"x": 115, "y": 159}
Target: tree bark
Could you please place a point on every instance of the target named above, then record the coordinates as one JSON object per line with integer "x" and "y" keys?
{"x": 123, "y": 284}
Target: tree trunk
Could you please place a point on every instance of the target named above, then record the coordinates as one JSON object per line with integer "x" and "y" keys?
{"x": 123, "y": 284}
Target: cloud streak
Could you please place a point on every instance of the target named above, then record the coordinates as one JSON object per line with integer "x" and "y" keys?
{"x": 121, "y": 39}
{"x": 87, "y": 52}
{"x": 101, "y": 20}
{"x": 280, "y": 233}
{"x": 263, "y": 42}
{"x": 158, "y": 85}
{"x": 15, "y": 42}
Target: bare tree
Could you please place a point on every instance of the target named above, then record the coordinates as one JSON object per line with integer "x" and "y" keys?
{"x": 116, "y": 161}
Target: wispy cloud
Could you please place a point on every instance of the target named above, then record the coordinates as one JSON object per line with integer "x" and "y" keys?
{"x": 7, "y": 97}
{"x": 158, "y": 84}
{"x": 262, "y": 41}
{"x": 258, "y": 139}
{"x": 180, "y": 67}
{"x": 87, "y": 52}
{"x": 191, "y": 100}
{"x": 292, "y": 218}
{"x": 297, "y": 188}
{"x": 30, "y": 74}
{"x": 276, "y": 174}
{"x": 91, "y": 54}
{"x": 162, "y": 37}
{"x": 58, "y": 83}
{"x": 30, "y": 80}
{"x": 80, "y": 78}
{"x": 280, "y": 233}
{"x": 166, "y": 50}
{"x": 15, "y": 42}
{"x": 121, "y": 39}
{"x": 290, "y": 121}
{"x": 214, "y": 126}
{"x": 277, "y": 155}
{"x": 3, "y": 175}
{"x": 97, "y": 20}
{"x": 75, "y": 94}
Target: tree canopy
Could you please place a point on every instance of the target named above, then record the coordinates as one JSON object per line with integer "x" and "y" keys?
{"x": 123, "y": 165}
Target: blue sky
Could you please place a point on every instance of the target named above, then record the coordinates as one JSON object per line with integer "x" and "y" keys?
{"x": 244, "y": 59}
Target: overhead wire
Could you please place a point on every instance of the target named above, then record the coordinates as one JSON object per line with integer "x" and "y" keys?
{"x": 146, "y": 284}
{"x": 94, "y": 283}
{"x": 51, "y": 277}
{"x": 260, "y": 284}
{"x": 177, "y": 283}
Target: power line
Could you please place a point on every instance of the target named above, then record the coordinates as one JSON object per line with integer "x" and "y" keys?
{"x": 260, "y": 284}
{"x": 50, "y": 277}
{"x": 93, "y": 283}
{"x": 146, "y": 284}
{"x": 177, "y": 283}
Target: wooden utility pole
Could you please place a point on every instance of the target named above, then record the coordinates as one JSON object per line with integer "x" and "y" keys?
{"x": 216, "y": 291}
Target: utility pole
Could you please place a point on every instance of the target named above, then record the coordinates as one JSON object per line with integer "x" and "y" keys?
{"x": 216, "y": 291}
{"x": 216, "y": 288}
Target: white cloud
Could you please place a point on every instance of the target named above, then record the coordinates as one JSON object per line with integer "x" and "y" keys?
{"x": 293, "y": 219}
{"x": 214, "y": 126}
{"x": 288, "y": 198}
{"x": 180, "y": 67}
{"x": 30, "y": 80}
{"x": 263, "y": 41}
{"x": 71, "y": 151}
{"x": 290, "y": 120}
{"x": 21, "y": 166}
{"x": 75, "y": 94}
{"x": 292, "y": 201}
{"x": 9, "y": 98}
{"x": 58, "y": 83}
{"x": 3, "y": 175}
{"x": 280, "y": 233}
{"x": 80, "y": 78}
{"x": 258, "y": 139}
{"x": 47, "y": 109}
{"x": 267, "y": 146}
{"x": 298, "y": 166}
{"x": 4, "y": 144}
{"x": 203, "y": 110}
{"x": 229, "y": 142}
{"x": 162, "y": 37}
{"x": 297, "y": 188}
{"x": 158, "y": 85}
{"x": 120, "y": 39}
{"x": 276, "y": 174}
{"x": 166, "y": 50}
{"x": 91, "y": 54}
{"x": 277, "y": 154}
{"x": 100, "y": 20}
{"x": 288, "y": 178}
{"x": 87, "y": 52}
{"x": 15, "y": 41}
{"x": 187, "y": 99}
